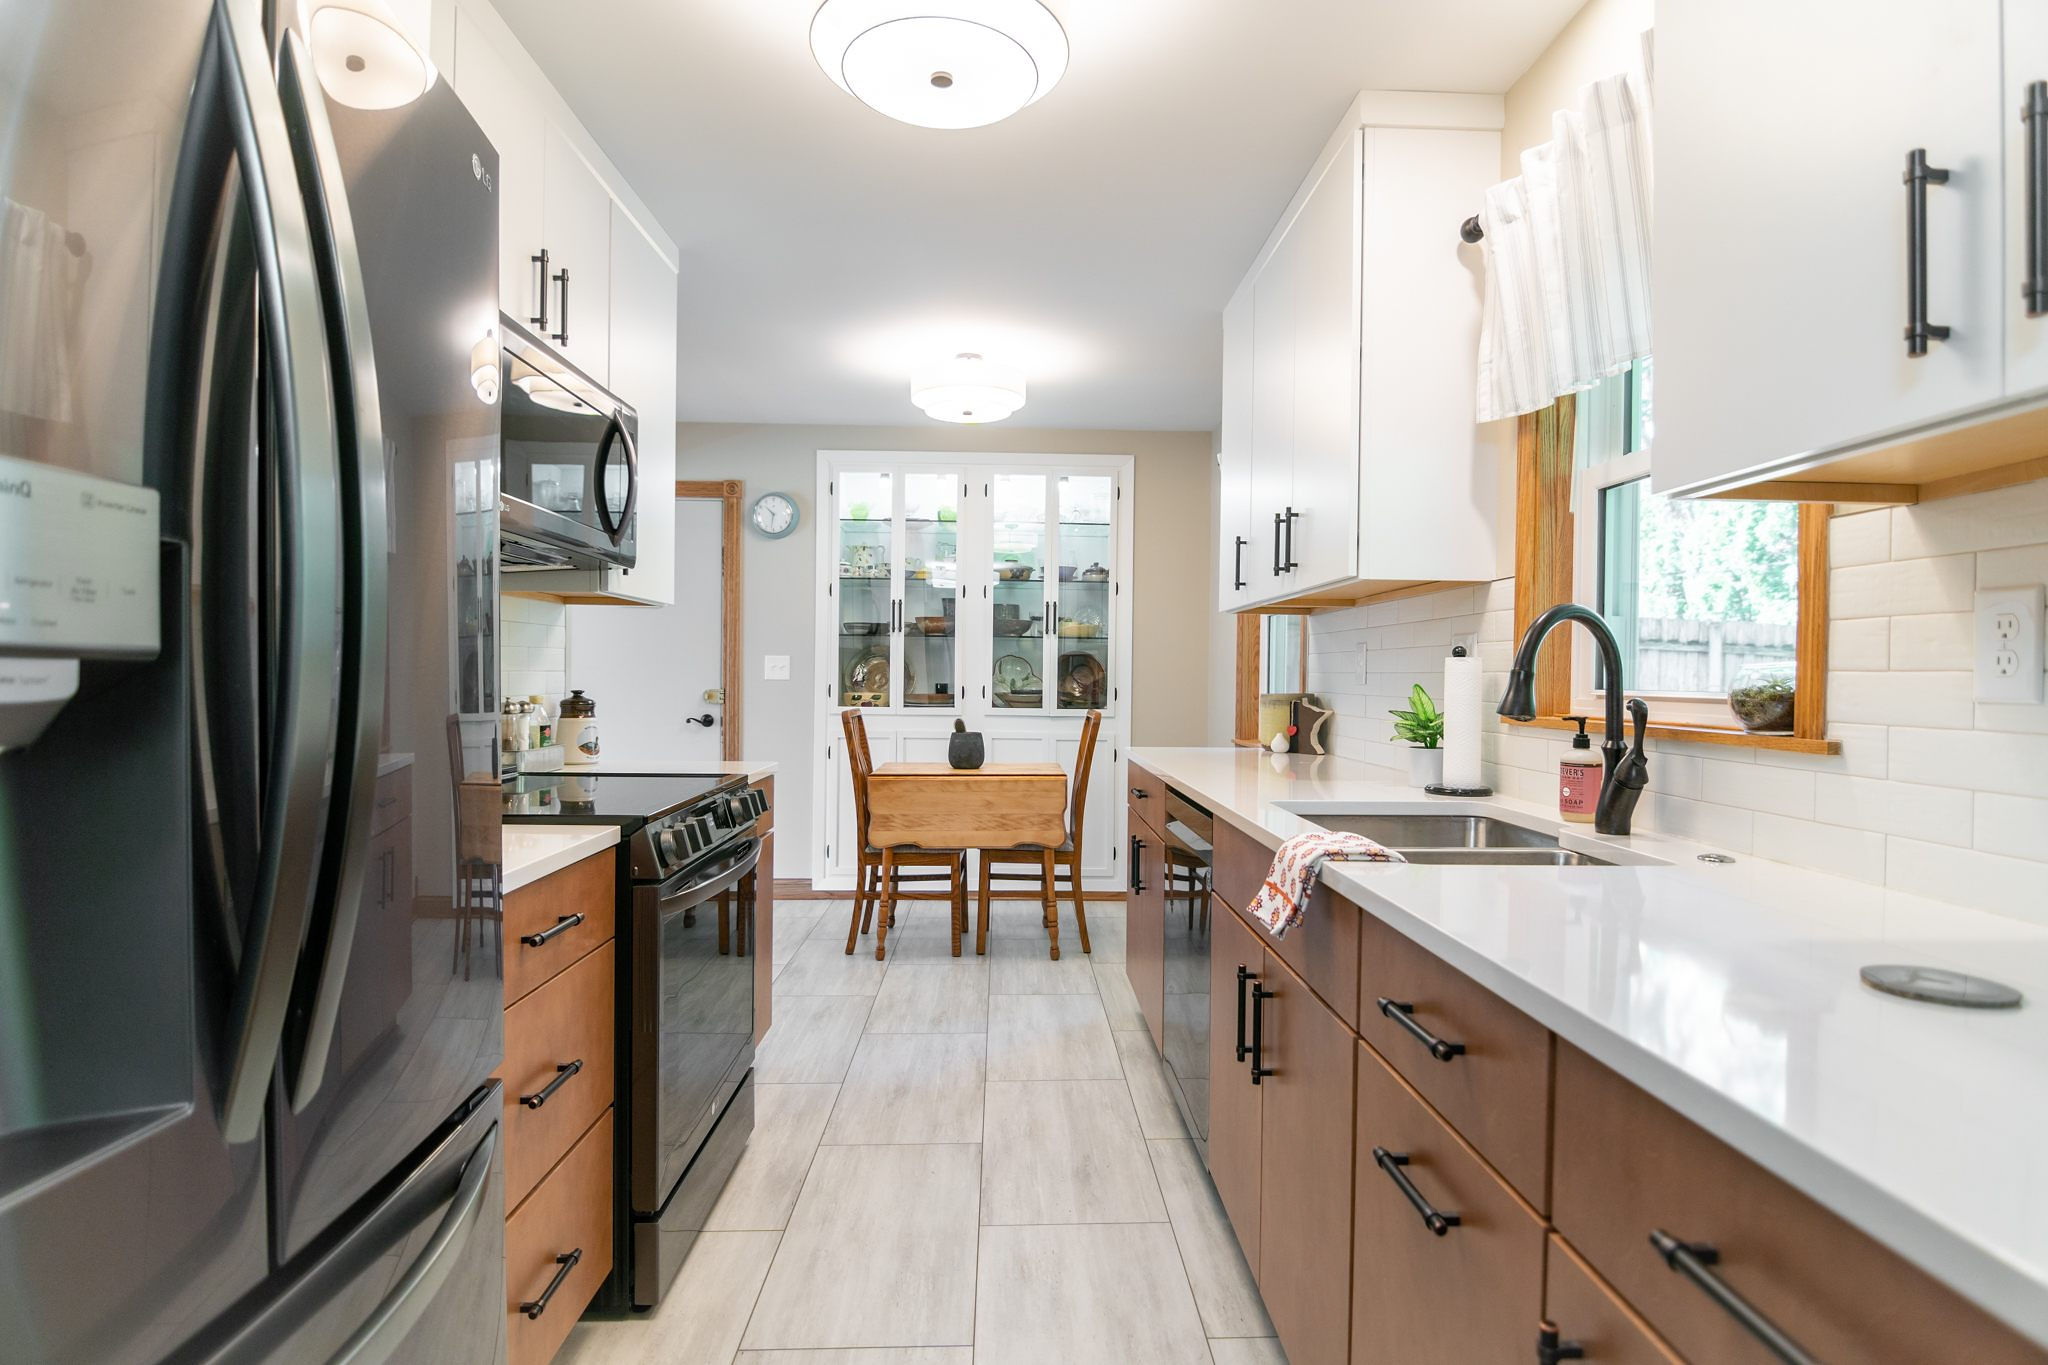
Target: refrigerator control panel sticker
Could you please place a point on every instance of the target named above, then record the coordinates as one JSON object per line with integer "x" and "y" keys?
{"x": 78, "y": 564}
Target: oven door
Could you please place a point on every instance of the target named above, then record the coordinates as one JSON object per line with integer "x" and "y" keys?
{"x": 570, "y": 477}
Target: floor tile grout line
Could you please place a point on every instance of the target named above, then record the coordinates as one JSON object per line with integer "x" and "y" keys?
{"x": 1173, "y": 1229}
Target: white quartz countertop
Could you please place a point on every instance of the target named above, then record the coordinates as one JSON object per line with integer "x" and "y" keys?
{"x": 752, "y": 769}
{"x": 533, "y": 851}
{"x": 1731, "y": 993}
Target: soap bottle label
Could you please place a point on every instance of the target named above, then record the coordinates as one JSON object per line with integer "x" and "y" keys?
{"x": 1578, "y": 789}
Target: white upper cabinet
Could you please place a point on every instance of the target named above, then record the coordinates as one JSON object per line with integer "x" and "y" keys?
{"x": 1786, "y": 266}
{"x": 2026, "y": 320}
{"x": 642, "y": 312}
{"x": 576, "y": 225}
{"x": 504, "y": 107}
{"x": 1351, "y": 460}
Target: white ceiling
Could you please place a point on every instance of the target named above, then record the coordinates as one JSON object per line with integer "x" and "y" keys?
{"x": 1092, "y": 238}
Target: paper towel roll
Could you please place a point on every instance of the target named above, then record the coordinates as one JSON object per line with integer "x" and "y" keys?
{"x": 1461, "y": 722}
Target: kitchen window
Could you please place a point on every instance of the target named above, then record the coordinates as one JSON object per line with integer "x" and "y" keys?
{"x": 1703, "y": 594}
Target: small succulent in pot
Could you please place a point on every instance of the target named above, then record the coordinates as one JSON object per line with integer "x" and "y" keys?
{"x": 964, "y": 747}
{"x": 1762, "y": 700}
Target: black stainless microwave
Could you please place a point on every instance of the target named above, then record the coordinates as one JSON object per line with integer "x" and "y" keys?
{"x": 569, "y": 471}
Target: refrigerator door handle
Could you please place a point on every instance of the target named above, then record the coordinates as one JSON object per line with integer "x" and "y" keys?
{"x": 384, "y": 1330}
{"x": 359, "y": 444}
{"x": 297, "y": 376}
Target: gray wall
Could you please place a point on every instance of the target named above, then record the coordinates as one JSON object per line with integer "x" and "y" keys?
{"x": 1173, "y": 660}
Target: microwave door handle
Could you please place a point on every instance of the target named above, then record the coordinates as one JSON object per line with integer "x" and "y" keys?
{"x": 239, "y": 92}
{"x": 360, "y": 446}
{"x": 615, "y": 527}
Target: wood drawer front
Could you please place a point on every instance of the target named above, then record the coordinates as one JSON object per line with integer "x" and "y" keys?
{"x": 1147, "y": 797}
{"x": 571, "y": 1210}
{"x": 1322, "y": 949}
{"x": 393, "y": 801}
{"x": 1472, "y": 1294}
{"x": 1627, "y": 1164}
{"x": 764, "y": 934}
{"x": 568, "y": 1020}
{"x": 1496, "y": 1092}
{"x": 1236, "y": 1116}
{"x": 1589, "y": 1314}
{"x": 583, "y": 888}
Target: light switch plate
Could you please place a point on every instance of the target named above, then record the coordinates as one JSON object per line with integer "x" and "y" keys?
{"x": 2008, "y": 654}
{"x": 775, "y": 667}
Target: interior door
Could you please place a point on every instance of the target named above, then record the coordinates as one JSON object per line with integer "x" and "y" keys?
{"x": 650, "y": 668}
{"x": 1772, "y": 118}
{"x": 1237, "y": 959}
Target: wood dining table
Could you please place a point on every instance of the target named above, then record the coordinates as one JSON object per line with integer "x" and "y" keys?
{"x": 996, "y": 806}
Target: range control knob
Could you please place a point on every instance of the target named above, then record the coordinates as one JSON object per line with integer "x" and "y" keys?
{"x": 699, "y": 831}
{"x": 670, "y": 846}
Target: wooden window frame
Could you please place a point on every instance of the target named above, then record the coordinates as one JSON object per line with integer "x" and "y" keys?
{"x": 1544, "y": 573}
{"x": 728, "y": 493}
{"x": 1250, "y": 672}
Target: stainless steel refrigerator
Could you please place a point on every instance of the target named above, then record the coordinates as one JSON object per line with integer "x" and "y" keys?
{"x": 248, "y": 797}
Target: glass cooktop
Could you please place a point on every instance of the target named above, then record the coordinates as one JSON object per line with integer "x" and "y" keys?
{"x": 626, "y": 799}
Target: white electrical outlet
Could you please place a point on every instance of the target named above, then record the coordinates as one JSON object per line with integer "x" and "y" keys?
{"x": 775, "y": 667}
{"x": 2009, "y": 644}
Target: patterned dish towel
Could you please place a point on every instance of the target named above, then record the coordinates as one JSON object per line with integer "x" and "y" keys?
{"x": 1292, "y": 878}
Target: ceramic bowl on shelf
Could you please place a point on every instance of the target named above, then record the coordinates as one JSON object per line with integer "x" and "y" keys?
{"x": 935, "y": 625}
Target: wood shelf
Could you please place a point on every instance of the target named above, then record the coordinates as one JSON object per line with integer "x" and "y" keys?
{"x": 1699, "y": 734}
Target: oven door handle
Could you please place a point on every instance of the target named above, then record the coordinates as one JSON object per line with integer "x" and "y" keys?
{"x": 694, "y": 885}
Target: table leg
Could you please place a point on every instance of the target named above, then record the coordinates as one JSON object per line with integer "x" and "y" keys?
{"x": 981, "y": 931}
{"x": 1052, "y": 904}
{"x": 887, "y": 910}
{"x": 959, "y": 902}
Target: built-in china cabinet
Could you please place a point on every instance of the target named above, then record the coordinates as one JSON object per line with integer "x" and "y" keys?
{"x": 994, "y": 589}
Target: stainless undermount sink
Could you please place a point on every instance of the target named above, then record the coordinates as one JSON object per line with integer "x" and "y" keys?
{"x": 1460, "y": 840}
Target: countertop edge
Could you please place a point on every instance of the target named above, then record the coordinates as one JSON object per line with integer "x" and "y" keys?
{"x": 1951, "y": 1255}
{"x": 576, "y": 842}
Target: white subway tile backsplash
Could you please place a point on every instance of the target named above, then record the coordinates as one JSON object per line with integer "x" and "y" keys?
{"x": 1932, "y": 792}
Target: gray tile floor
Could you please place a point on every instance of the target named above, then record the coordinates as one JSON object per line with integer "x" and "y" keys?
{"x": 967, "y": 1161}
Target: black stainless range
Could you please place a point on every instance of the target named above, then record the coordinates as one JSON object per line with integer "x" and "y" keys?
{"x": 685, "y": 1029}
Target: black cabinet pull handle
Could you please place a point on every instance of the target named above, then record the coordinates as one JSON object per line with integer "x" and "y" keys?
{"x": 1288, "y": 564}
{"x": 1403, "y": 1013}
{"x": 540, "y": 290}
{"x": 562, "y": 278}
{"x": 561, "y": 926}
{"x": 1243, "y": 975}
{"x": 1550, "y": 1349}
{"x": 1237, "y": 564}
{"x": 1137, "y": 878}
{"x": 2034, "y": 114}
{"x": 1919, "y": 175}
{"x": 1277, "y": 570}
{"x": 1433, "y": 1218}
{"x": 1692, "y": 1260}
{"x": 562, "y": 1075}
{"x": 564, "y": 1263}
{"x": 1139, "y": 793}
{"x": 1260, "y": 995}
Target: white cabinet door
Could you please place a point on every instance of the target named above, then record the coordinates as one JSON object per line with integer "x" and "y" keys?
{"x": 1782, "y": 132}
{"x": 643, "y": 347}
{"x": 1272, "y": 424}
{"x": 2026, "y": 61}
{"x": 1234, "y": 460}
{"x": 1323, "y": 287}
{"x": 510, "y": 116}
{"x": 576, "y": 220}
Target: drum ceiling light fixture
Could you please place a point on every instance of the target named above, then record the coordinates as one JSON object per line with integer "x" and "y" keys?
{"x": 969, "y": 389}
{"x": 941, "y": 63}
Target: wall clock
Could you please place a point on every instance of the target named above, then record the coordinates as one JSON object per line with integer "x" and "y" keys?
{"x": 774, "y": 515}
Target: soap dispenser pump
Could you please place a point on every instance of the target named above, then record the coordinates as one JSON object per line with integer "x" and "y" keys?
{"x": 1579, "y": 777}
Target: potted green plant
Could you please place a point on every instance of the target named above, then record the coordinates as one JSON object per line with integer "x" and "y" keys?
{"x": 1762, "y": 700}
{"x": 1422, "y": 726}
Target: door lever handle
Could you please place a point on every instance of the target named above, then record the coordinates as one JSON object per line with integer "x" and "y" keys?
{"x": 704, "y": 720}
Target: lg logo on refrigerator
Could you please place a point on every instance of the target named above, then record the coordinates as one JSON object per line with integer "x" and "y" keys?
{"x": 476, "y": 168}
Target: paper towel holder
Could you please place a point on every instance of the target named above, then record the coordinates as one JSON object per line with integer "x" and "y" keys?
{"x": 1438, "y": 788}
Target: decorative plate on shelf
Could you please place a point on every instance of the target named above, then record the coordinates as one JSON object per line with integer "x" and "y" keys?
{"x": 867, "y": 679}
{"x": 1081, "y": 680}
{"x": 1014, "y": 673}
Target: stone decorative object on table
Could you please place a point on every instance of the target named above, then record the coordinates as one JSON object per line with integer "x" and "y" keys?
{"x": 964, "y": 749}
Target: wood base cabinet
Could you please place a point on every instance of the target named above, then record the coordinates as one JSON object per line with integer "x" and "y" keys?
{"x": 1236, "y": 957}
{"x": 1589, "y": 1317}
{"x": 558, "y": 1249}
{"x": 1447, "y": 1261}
{"x": 1145, "y": 925}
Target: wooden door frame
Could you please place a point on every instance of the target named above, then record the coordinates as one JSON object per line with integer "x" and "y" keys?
{"x": 727, "y": 492}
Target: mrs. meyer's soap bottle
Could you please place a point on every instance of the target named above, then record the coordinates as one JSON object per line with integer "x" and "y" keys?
{"x": 1579, "y": 776}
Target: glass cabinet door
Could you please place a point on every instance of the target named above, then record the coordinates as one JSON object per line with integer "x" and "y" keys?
{"x": 1085, "y": 559}
{"x": 931, "y": 589}
{"x": 866, "y": 513}
{"x": 1022, "y": 545}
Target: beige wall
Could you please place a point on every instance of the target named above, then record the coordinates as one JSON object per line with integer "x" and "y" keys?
{"x": 1602, "y": 39}
{"x": 1173, "y": 594}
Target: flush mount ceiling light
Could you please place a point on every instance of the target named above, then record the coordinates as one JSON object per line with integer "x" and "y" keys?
{"x": 968, "y": 389}
{"x": 941, "y": 63}
{"x": 363, "y": 58}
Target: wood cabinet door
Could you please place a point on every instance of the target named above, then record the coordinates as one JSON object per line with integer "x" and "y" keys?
{"x": 570, "y": 1215}
{"x": 576, "y": 216}
{"x": 1305, "y": 1170}
{"x": 1772, "y": 118}
{"x": 1468, "y": 1288}
{"x": 1237, "y": 551}
{"x": 1585, "y": 1312}
{"x": 1145, "y": 926}
{"x": 763, "y": 941}
{"x": 509, "y": 112}
{"x": 1234, "y": 1102}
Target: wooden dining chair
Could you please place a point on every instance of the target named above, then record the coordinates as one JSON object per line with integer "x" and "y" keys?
{"x": 885, "y": 876}
{"x": 1066, "y": 859}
